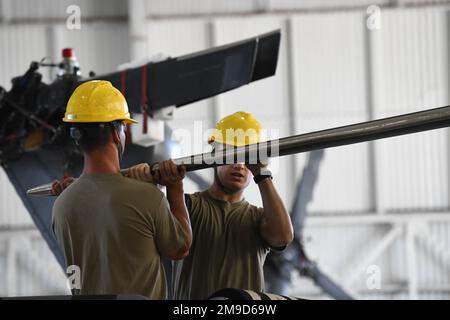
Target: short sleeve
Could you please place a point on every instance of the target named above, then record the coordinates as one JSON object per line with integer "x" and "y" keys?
{"x": 169, "y": 233}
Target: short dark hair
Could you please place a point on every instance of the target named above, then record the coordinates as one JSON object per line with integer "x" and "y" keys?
{"x": 90, "y": 136}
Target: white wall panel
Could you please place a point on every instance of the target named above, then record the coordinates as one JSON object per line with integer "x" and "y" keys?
{"x": 186, "y": 7}
{"x": 56, "y": 9}
{"x": 329, "y": 82}
{"x": 177, "y": 38}
{"x": 411, "y": 74}
{"x": 433, "y": 265}
{"x": 20, "y": 44}
{"x": 3, "y": 266}
{"x": 267, "y": 97}
{"x": 422, "y": 2}
{"x": 413, "y": 172}
{"x": 340, "y": 250}
{"x": 36, "y": 271}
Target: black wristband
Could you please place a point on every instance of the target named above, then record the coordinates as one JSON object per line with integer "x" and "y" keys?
{"x": 260, "y": 177}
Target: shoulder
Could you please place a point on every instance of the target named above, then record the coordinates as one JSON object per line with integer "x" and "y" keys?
{"x": 249, "y": 214}
{"x": 71, "y": 192}
{"x": 143, "y": 196}
{"x": 255, "y": 209}
{"x": 250, "y": 208}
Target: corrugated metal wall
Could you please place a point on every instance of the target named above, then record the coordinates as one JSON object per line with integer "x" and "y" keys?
{"x": 51, "y": 9}
{"x": 344, "y": 73}
{"x": 172, "y": 8}
{"x": 330, "y": 91}
{"x": 354, "y": 242}
{"x": 188, "y": 7}
{"x": 266, "y": 100}
{"x": 20, "y": 45}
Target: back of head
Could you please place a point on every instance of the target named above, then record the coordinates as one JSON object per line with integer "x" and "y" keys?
{"x": 94, "y": 110}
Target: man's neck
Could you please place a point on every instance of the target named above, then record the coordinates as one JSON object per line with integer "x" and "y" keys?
{"x": 216, "y": 192}
{"x": 101, "y": 161}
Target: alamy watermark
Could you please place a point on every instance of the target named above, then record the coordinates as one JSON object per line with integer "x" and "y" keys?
{"x": 73, "y": 281}
{"x": 373, "y": 21}
{"x": 373, "y": 281}
{"x": 235, "y": 150}
{"x": 73, "y": 21}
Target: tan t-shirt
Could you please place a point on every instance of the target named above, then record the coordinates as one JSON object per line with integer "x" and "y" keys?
{"x": 116, "y": 229}
{"x": 227, "y": 250}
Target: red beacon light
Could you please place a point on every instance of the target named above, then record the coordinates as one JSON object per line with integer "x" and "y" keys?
{"x": 68, "y": 53}
{"x": 69, "y": 65}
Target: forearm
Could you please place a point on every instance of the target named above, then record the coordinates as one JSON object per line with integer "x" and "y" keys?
{"x": 276, "y": 226}
{"x": 175, "y": 197}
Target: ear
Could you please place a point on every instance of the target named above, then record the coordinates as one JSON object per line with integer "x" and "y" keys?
{"x": 115, "y": 136}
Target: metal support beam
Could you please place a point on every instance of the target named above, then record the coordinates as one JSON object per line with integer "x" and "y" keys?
{"x": 8, "y": 232}
{"x": 372, "y": 219}
{"x": 360, "y": 132}
{"x": 291, "y": 88}
{"x": 371, "y": 48}
{"x": 411, "y": 260}
{"x": 137, "y": 24}
{"x": 53, "y": 278}
{"x": 292, "y": 11}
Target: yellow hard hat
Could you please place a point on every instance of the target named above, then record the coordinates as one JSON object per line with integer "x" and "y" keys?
{"x": 97, "y": 101}
{"x": 237, "y": 129}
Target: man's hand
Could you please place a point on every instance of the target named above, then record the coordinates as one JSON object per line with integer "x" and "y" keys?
{"x": 169, "y": 174}
{"x": 141, "y": 172}
{"x": 258, "y": 168}
{"x": 59, "y": 186}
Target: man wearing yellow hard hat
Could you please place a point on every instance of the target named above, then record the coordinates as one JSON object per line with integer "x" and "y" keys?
{"x": 113, "y": 228}
{"x": 231, "y": 237}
